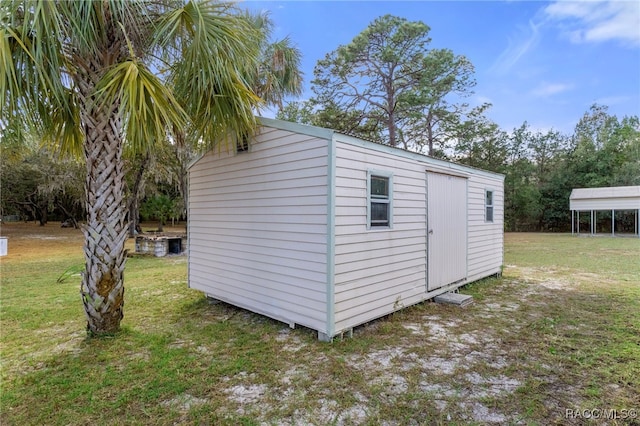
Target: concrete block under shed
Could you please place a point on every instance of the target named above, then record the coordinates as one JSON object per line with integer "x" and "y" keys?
{"x": 458, "y": 299}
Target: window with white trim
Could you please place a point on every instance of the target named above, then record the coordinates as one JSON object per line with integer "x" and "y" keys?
{"x": 488, "y": 206}
{"x": 380, "y": 205}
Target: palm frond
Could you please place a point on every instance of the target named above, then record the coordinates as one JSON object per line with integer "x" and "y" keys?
{"x": 63, "y": 132}
{"x": 217, "y": 48}
{"x": 31, "y": 77}
{"x": 146, "y": 105}
{"x": 71, "y": 271}
{"x": 262, "y": 22}
{"x": 279, "y": 74}
{"x": 94, "y": 25}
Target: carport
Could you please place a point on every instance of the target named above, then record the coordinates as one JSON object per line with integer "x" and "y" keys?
{"x": 611, "y": 199}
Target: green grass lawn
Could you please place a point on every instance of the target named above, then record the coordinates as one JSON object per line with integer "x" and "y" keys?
{"x": 559, "y": 331}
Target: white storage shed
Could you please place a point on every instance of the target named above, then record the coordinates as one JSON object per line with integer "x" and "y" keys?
{"x": 316, "y": 228}
{"x": 609, "y": 199}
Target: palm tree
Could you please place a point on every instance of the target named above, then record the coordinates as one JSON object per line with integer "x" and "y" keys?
{"x": 278, "y": 73}
{"x": 275, "y": 76}
{"x": 99, "y": 77}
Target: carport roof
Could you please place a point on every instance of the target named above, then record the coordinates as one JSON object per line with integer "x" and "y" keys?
{"x": 608, "y": 192}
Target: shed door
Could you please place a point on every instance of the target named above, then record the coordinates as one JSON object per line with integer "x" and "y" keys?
{"x": 446, "y": 229}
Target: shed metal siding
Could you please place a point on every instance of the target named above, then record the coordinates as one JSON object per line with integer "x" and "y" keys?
{"x": 282, "y": 230}
{"x": 380, "y": 271}
{"x": 485, "y": 239}
{"x": 258, "y": 227}
{"x": 377, "y": 271}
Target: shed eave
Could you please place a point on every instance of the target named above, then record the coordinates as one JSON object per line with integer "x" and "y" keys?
{"x": 195, "y": 160}
{"x": 319, "y": 132}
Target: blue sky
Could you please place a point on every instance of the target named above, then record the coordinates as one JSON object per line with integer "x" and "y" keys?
{"x": 543, "y": 62}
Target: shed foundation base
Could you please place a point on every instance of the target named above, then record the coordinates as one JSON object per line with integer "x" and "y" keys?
{"x": 457, "y": 299}
{"x": 323, "y": 337}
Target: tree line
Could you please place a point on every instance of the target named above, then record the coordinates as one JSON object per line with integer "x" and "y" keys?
{"x": 540, "y": 167}
{"x": 390, "y": 87}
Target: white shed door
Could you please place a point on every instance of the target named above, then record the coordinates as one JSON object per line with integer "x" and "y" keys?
{"x": 447, "y": 229}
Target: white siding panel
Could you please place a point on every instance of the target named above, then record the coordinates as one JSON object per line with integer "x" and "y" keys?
{"x": 365, "y": 297}
{"x": 485, "y": 239}
{"x": 288, "y": 229}
{"x": 349, "y": 272}
{"x": 408, "y": 240}
{"x": 269, "y": 177}
{"x": 359, "y": 293}
{"x": 276, "y": 195}
{"x": 270, "y": 283}
{"x": 260, "y": 299}
{"x": 377, "y": 270}
{"x": 313, "y": 241}
{"x": 271, "y": 240}
{"x": 258, "y": 227}
{"x": 376, "y": 255}
{"x": 359, "y": 314}
{"x": 351, "y": 240}
{"x": 314, "y": 262}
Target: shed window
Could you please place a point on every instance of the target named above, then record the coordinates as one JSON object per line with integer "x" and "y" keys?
{"x": 488, "y": 204}
{"x": 379, "y": 201}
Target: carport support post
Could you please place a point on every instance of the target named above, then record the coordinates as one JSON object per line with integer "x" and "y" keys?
{"x": 613, "y": 223}
{"x": 572, "y": 222}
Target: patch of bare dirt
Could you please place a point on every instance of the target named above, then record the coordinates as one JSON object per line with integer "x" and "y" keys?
{"x": 459, "y": 366}
{"x": 184, "y": 402}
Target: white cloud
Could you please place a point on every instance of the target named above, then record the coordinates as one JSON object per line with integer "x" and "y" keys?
{"x": 596, "y": 21}
{"x": 526, "y": 39}
{"x": 545, "y": 90}
{"x": 579, "y": 21}
{"x": 613, "y": 100}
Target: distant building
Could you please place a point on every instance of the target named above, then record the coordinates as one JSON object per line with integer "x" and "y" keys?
{"x": 611, "y": 199}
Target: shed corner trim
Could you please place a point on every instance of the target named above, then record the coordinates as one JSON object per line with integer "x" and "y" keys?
{"x": 331, "y": 236}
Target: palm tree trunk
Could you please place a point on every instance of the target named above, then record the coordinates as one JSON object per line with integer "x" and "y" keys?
{"x": 106, "y": 229}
